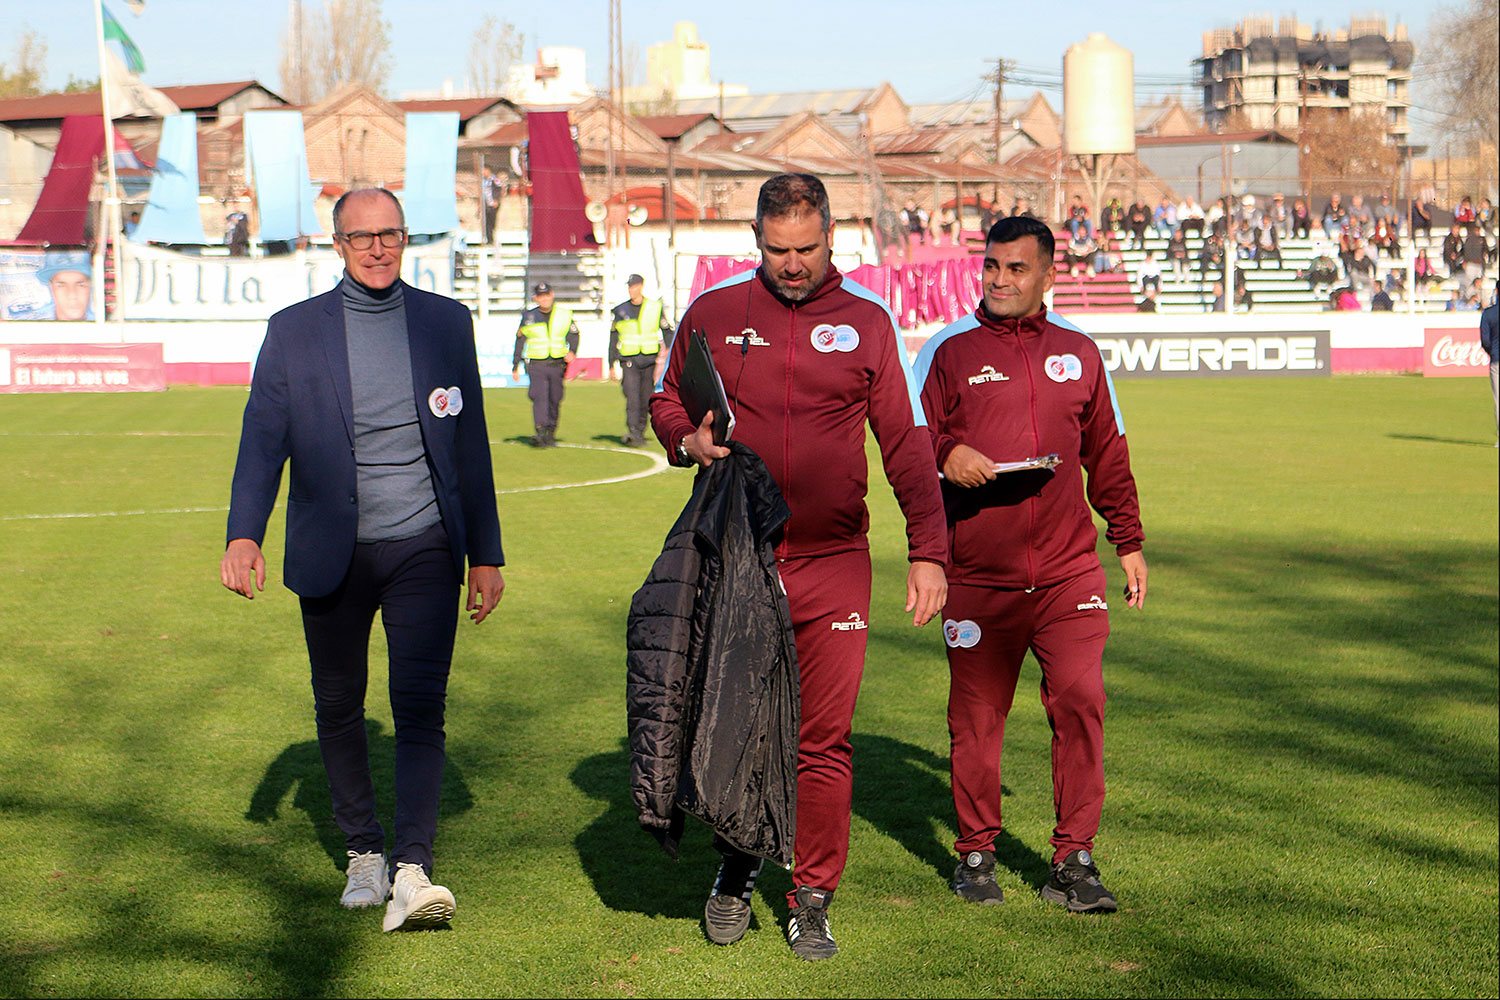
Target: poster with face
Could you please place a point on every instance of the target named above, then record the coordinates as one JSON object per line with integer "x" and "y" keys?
{"x": 45, "y": 284}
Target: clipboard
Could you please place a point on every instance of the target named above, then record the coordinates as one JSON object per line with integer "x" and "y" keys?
{"x": 1039, "y": 462}
{"x": 701, "y": 389}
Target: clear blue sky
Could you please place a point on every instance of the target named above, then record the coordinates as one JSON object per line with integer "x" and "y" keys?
{"x": 929, "y": 52}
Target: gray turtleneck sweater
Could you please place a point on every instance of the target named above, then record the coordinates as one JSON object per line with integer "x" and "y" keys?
{"x": 394, "y": 485}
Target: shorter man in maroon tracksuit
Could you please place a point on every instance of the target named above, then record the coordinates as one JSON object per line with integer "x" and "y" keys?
{"x": 1008, "y": 383}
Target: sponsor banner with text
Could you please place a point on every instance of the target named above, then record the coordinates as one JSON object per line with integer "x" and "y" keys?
{"x": 1214, "y": 354}
{"x": 82, "y": 368}
{"x": 1449, "y": 352}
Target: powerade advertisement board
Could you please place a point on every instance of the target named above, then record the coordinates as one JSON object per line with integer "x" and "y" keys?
{"x": 1216, "y": 354}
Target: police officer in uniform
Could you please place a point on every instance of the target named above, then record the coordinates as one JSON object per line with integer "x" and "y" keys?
{"x": 548, "y": 340}
{"x": 635, "y": 342}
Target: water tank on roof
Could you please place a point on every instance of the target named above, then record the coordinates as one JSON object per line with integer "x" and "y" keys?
{"x": 1098, "y": 97}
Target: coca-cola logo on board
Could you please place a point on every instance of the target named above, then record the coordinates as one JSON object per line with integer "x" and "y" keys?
{"x": 1448, "y": 353}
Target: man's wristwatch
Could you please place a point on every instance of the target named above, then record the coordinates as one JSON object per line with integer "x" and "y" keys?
{"x": 682, "y": 451}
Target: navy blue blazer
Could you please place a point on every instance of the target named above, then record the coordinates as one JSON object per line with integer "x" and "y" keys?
{"x": 301, "y": 409}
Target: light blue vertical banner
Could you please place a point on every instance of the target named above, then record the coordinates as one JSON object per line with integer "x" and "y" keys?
{"x": 276, "y": 152}
{"x": 430, "y": 199}
{"x": 171, "y": 213}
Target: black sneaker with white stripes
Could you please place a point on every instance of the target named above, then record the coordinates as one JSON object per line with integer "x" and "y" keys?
{"x": 807, "y": 929}
{"x": 1075, "y": 884}
{"x": 974, "y": 879}
{"x": 727, "y": 913}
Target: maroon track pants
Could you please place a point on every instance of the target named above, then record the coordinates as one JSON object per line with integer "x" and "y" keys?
{"x": 829, "y": 598}
{"x": 988, "y": 631}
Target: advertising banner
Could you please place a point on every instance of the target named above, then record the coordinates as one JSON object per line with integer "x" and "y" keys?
{"x": 164, "y": 284}
{"x": 82, "y": 368}
{"x": 1449, "y": 352}
{"x": 1216, "y": 354}
{"x": 46, "y": 285}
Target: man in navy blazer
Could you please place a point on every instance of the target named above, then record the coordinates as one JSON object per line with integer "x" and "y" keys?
{"x": 371, "y": 391}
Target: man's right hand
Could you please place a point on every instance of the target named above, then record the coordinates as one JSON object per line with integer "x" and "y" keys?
{"x": 700, "y": 446}
{"x": 243, "y": 561}
{"x": 515, "y": 373}
{"x": 967, "y": 467}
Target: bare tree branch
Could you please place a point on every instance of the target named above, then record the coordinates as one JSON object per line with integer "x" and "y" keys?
{"x": 1461, "y": 52}
{"x": 495, "y": 48}
{"x": 22, "y": 77}
{"x": 344, "y": 42}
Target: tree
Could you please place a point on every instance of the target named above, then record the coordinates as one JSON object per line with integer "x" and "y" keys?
{"x": 1349, "y": 152}
{"x": 342, "y": 43}
{"x": 495, "y": 48}
{"x": 22, "y": 77}
{"x": 1462, "y": 57}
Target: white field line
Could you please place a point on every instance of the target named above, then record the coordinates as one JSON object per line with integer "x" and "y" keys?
{"x": 658, "y": 465}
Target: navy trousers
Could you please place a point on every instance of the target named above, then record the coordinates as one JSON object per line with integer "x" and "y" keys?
{"x": 412, "y": 584}
{"x": 546, "y": 391}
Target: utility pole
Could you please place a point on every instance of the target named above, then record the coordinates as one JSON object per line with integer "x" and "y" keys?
{"x": 1001, "y": 66}
{"x": 299, "y": 71}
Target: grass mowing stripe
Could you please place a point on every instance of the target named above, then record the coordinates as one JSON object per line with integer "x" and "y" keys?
{"x": 1301, "y": 748}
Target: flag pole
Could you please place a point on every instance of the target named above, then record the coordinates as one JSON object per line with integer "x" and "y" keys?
{"x": 111, "y": 197}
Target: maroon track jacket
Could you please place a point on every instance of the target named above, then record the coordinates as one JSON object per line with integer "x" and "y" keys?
{"x": 802, "y": 379}
{"x": 1017, "y": 389}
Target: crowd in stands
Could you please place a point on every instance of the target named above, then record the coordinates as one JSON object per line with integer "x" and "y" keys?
{"x": 1359, "y": 248}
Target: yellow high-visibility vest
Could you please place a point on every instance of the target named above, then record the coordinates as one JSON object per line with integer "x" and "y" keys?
{"x": 643, "y": 334}
{"x": 549, "y": 339}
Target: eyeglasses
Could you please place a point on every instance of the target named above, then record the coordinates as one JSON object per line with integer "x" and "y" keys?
{"x": 389, "y": 238}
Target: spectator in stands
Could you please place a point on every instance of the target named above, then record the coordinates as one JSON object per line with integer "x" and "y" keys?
{"x": 1389, "y": 212}
{"x": 1214, "y": 219}
{"x": 1361, "y": 272}
{"x": 1249, "y": 214}
{"x": 1021, "y": 207}
{"x": 989, "y": 214}
{"x": 1218, "y": 303}
{"x": 1137, "y": 221}
{"x": 1421, "y": 218}
{"x": 1453, "y": 251}
{"x": 1078, "y": 217}
{"x": 1079, "y": 252}
{"x": 1360, "y": 214}
{"x": 1106, "y": 261}
{"x": 1281, "y": 218}
{"x": 1211, "y": 257}
{"x": 1177, "y": 253}
{"x": 1165, "y": 218}
{"x": 1464, "y": 213}
{"x": 914, "y": 222}
{"x": 1381, "y": 301}
{"x": 1485, "y": 216}
{"x": 1335, "y": 215}
{"x": 1244, "y": 241}
{"x": 1323, "y": 270}
{"x": 1242, "y": 294}
{"x": 1424, "y": 272}
{"x": 1344, "y": 300}
{"x": 1113, "y": 217}
{"x": 945, "y": 229}
{"x": 1301, "y": 219}
{"x": 1456, "y": 302}
{"x": 238, "y": 234}
{"x": 1385, "y": 239}
{"x": 1190, "y": 216}
{"x": 1149, "y": 273}
{"x": 1475, "y": 251}
{"x": 1148, "y": 302}
{"x": 1267, "y": 241}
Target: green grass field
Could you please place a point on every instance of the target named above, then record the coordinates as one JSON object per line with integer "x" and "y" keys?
{"x": 1301, "y": 740}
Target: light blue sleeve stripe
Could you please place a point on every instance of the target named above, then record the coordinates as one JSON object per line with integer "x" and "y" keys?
{"x": 1114, "y": 400}
{"x": 923, "y": 365}
{"x": 856, "y": 289}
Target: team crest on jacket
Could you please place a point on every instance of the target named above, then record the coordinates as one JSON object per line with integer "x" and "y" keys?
{"x": 988, "y": 374}
{"x": 964, "y": 634}
{"x": 827, "y": 338}
{"x": 446, "y": 402}
{"x": 1063, "y": 367}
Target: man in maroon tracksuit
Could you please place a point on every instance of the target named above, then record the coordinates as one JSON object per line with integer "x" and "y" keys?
{"x": 1009, "y": 383}
{"x": 807, "y": 357}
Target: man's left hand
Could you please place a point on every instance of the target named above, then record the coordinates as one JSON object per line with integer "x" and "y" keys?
{"x": 485, "y": 587}
{"x": 926, "y": 590}
{"x": 1134, "y": 565}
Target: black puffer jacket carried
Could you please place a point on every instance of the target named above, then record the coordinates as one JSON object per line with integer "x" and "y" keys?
{"x": 711, "y": 687}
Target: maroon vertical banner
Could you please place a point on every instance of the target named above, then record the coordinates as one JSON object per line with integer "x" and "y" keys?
{"x": 82, "y": 368}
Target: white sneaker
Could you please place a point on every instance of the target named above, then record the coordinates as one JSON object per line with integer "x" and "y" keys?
{"x": 368, "y": 883}
{"x": 415, "y": 901}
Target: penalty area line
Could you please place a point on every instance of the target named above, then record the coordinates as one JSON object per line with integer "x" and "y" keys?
{"x": 658, "y": 465}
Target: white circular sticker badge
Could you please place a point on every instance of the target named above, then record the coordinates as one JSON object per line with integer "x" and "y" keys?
{"x": 1063, "y": 368}
{"x": 443, "y": 402}
{"x": 824, "y": 338}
